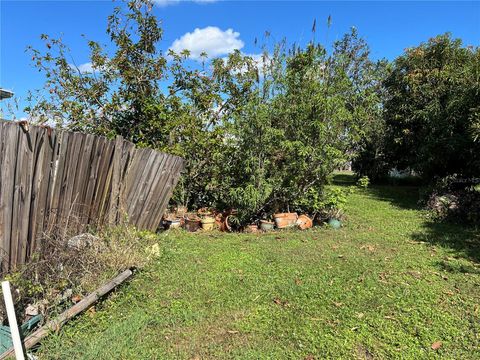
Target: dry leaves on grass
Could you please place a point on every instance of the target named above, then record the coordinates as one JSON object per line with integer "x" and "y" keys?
{"x": 280, "y": 302}
{"x": 436, "y": 345}
{"x": 369, "y": 247}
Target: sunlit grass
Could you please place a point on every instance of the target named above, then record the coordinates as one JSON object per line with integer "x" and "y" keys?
{"x": 387, "y": 285}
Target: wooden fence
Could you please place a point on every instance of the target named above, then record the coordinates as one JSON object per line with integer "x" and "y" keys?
{"x": 58, "y": 180}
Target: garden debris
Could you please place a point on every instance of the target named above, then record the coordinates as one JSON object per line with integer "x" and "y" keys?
{"x": 31, "y": 310}
{"x": 436, "y": 345}
{"x": 25, "y": 328}
{"x": 83, "y": 241}
{"x": 57, "y": 323}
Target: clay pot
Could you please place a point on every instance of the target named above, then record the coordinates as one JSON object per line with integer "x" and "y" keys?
{"x": 285, "y": 220}
{"x": 252, "y": 228}
{"x": 208, "y": 223}
{"x": 172, "y": 224}
{"x": 266, "y": 225}
{"x": 304, "y": 222}
{"x": 180, "y": 211}
{"x": 192, "y": 224}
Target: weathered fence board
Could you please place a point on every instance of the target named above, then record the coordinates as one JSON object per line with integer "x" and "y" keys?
{"x": 62, "y": 182}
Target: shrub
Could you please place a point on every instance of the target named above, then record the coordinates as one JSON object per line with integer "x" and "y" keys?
{"x": 363, "y": 182}
{"x": 456, "y": 199}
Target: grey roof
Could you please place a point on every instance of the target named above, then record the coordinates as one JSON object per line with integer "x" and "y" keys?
{"x": 5, "y": 94}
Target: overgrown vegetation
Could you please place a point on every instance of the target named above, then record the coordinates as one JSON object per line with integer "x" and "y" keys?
{"x": 258, "y": 134}
{"x": 390, "y": 284}
{"x": 263, "y": 133}
{"x": 65, "y": 269}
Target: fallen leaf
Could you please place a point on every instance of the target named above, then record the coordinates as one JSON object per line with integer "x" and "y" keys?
{"x": 436, "y": 345}
{"x": 369, "y": 247}
{"x": 298, "y": 281}
{"x": 337, "y": 304}
{"x": 281, "y": 302}
{"x": 91, "y": 311}
{"x": 309, "y": 357}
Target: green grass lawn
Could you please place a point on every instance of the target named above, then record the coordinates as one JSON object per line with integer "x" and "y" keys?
{"x": 387, "y": 285}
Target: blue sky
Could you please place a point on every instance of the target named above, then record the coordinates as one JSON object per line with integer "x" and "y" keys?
{"x": 389, "y": 27}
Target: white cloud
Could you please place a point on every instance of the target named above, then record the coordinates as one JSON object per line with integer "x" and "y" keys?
{"x": 86, "y": 68}
{"x": 211, "y": 40}
{"x": 174, "y": 2}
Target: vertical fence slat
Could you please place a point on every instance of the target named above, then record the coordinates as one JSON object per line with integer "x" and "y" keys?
{"x": 60, "y": 182}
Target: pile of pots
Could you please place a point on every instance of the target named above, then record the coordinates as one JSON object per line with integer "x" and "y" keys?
{"x": 207, "y": 220}
{"x": 203, "y": 219}
{"x": 282, "y": 221}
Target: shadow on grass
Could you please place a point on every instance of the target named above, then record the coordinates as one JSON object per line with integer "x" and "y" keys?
{"x": 405, "y": 197}
{"x": 343, "y": 178}
{"x": 399, "y": 195}
{"x": 463, "y": 239}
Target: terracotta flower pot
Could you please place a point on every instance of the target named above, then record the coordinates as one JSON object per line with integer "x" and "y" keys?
{"x": 252, "y": 228}
{"x": 285, "y": 220}
{"x": 266, "y": 225}
{"x": 304, "y": 222}
{"x": 192, "y": 223}
{"x": 208, "y": 223}
{"x": 180, "y": 211}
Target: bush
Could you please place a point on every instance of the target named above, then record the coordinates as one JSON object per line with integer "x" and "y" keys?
{"x": 363, "y": 182}
{"x": 456, "y": 199}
